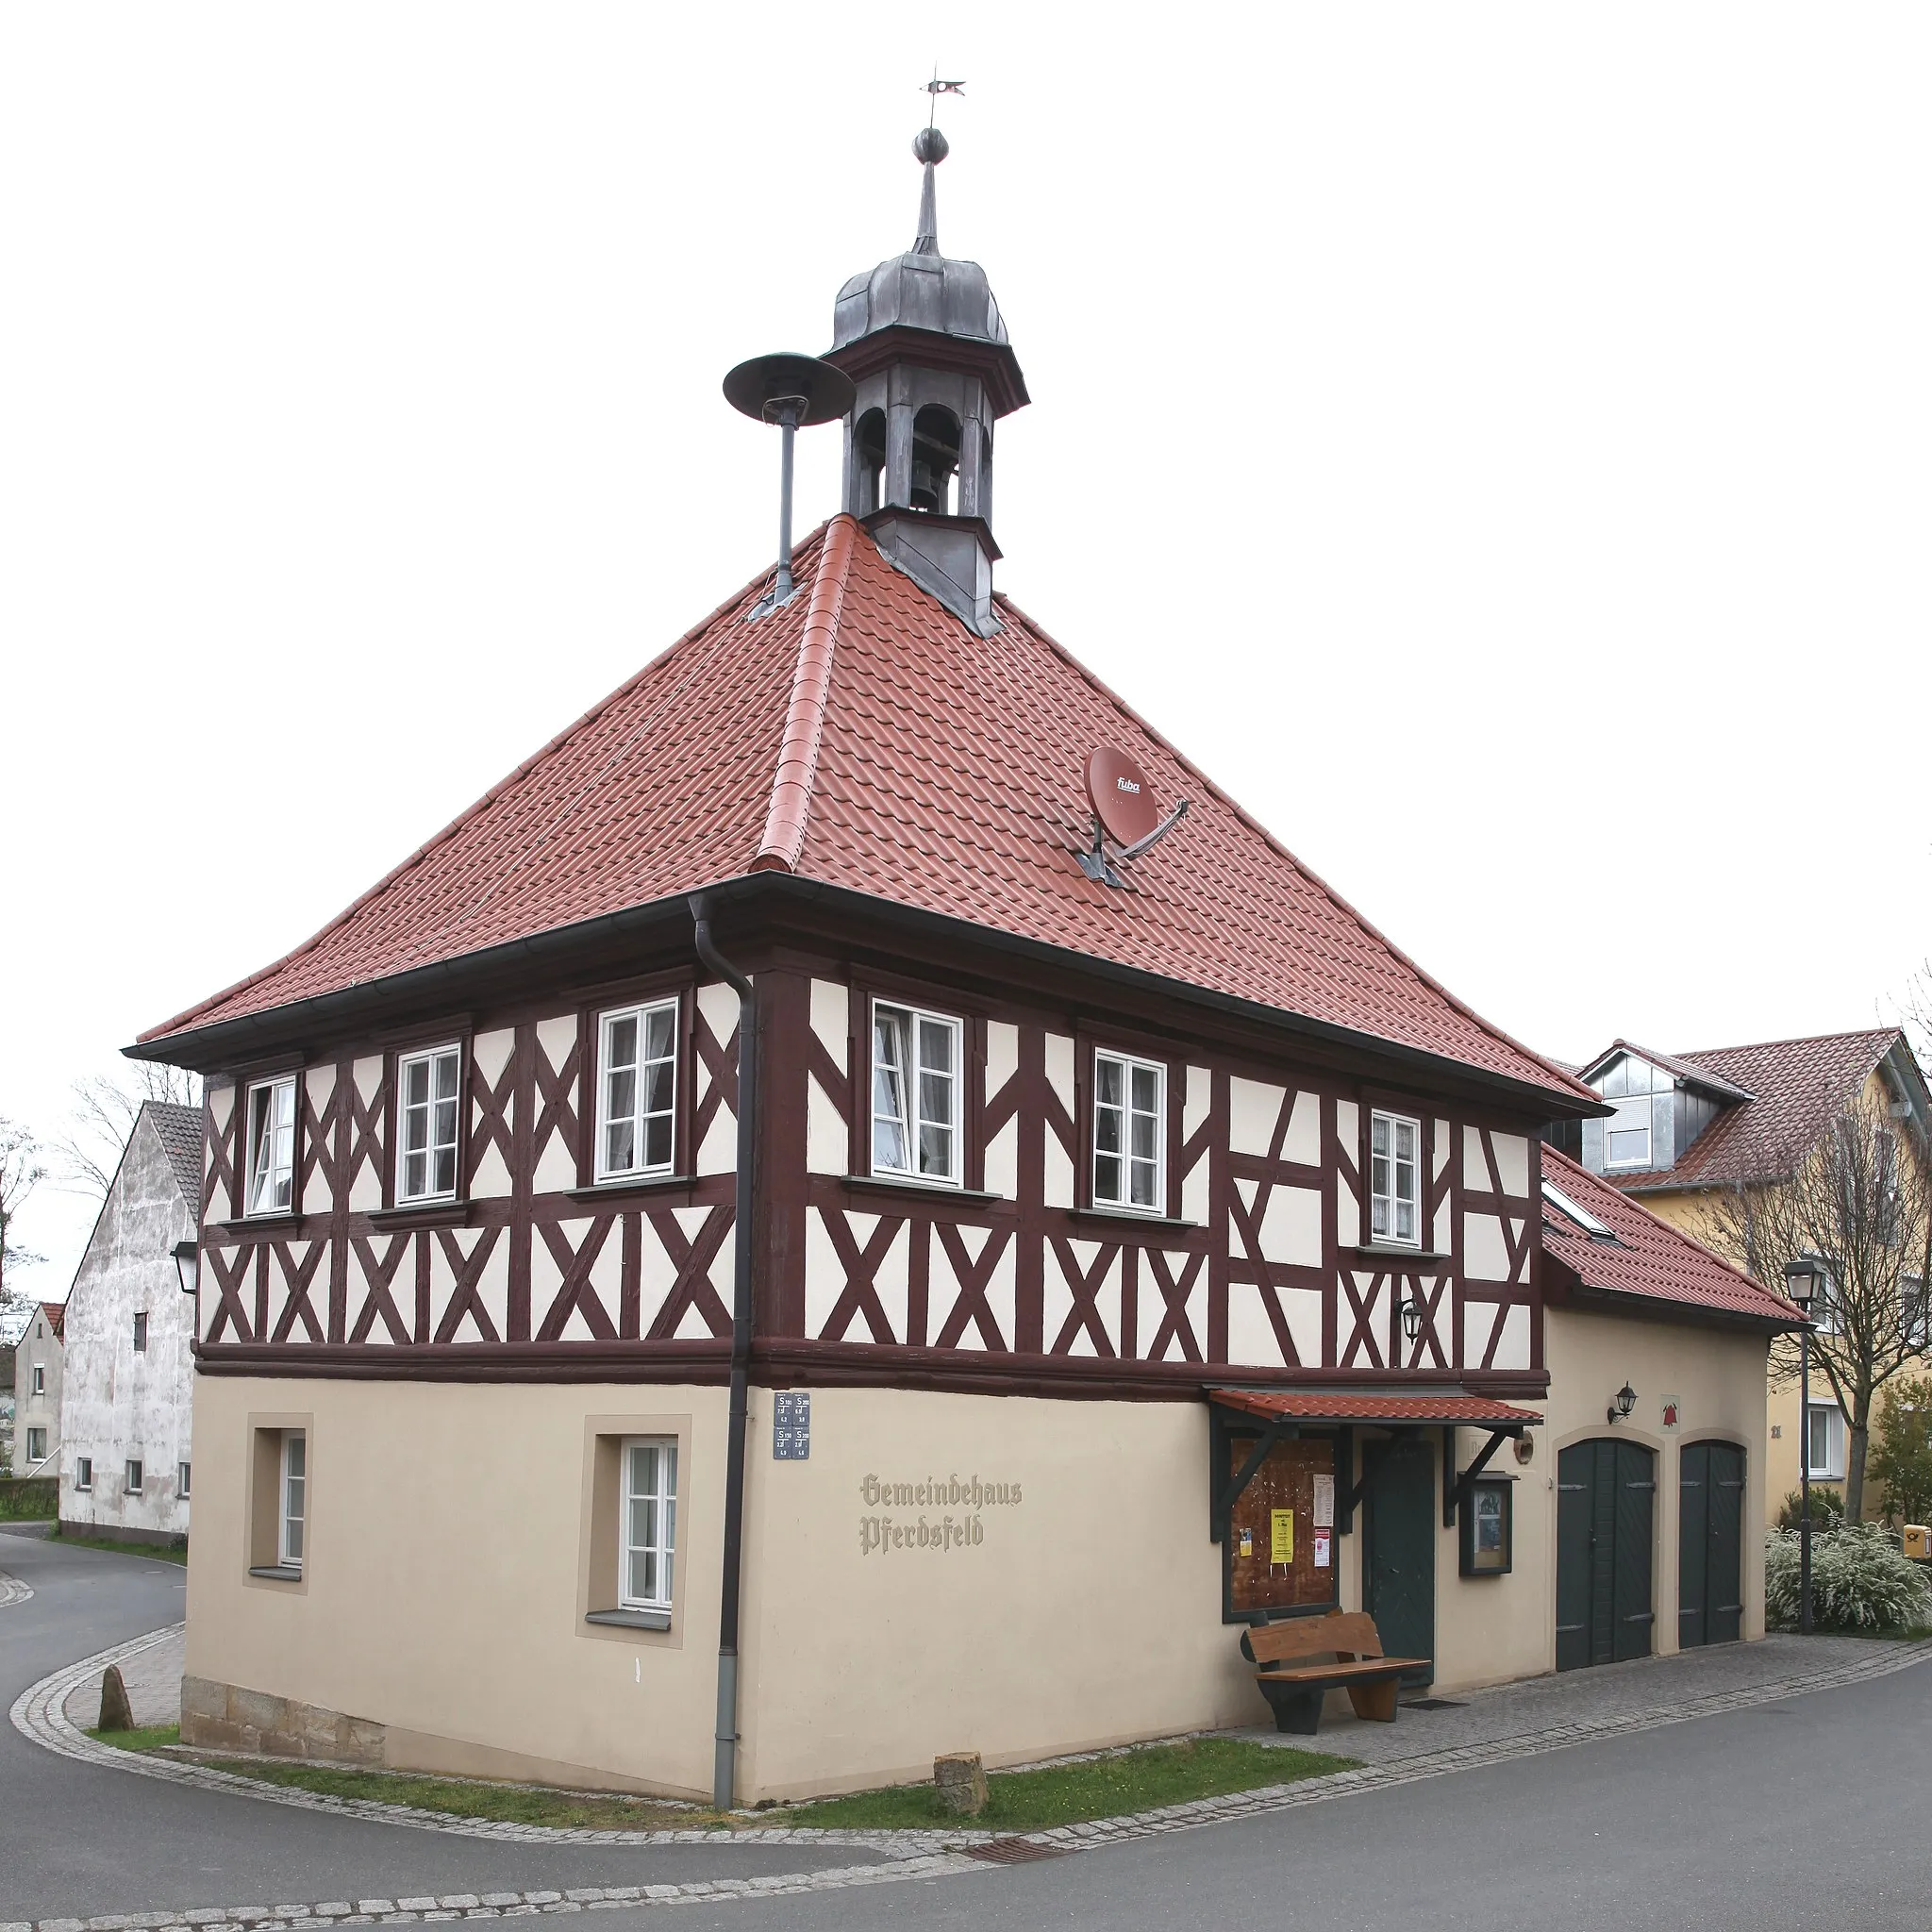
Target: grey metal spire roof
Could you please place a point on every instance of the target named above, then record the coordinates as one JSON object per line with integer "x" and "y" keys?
{"x": 921, "y": 288}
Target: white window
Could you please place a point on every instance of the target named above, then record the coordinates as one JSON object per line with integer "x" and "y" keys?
{"x": 294, "y": 1499}
{"x": 272, "y": 1147}
{"x": 426, "y": 1154}
{"x": 1626, "y": 1134}
{"x": 915, "y": 1094}
{"x": 83, "y": 1472}
{"x": 140, "y": 1334}
{"x": 1824, "y": 1443}
{"x": 1395, "y": 1144}
{"x": 1129, "y": 1133}
{"x": 648, "y": 1537}
{"x": 637, "y": 1090}
{"x": 1914, "y": 1320}
{"x": 40, "y": 1378}
{"x": 136, "y": 1474}
{"x": 182, "y": 1472}
{"x": 36, "y": 1446}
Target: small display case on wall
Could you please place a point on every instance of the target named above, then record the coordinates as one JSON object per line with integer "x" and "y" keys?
{"x": 1489, "y": 1527}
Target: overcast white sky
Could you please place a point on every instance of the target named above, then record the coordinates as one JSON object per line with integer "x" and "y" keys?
{"x": 1492, "y": 441}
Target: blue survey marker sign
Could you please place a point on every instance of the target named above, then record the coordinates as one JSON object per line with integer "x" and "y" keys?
{"x": 791, "y": 1427}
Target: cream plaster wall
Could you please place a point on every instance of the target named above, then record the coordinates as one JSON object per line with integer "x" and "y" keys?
{"x": 1718, "y": 1381}
{"x": 442, "y": 1590}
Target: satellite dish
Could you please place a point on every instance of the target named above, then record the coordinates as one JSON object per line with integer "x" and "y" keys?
{"x": 1121, "y": 795}
{"x": 1124, "y": 811}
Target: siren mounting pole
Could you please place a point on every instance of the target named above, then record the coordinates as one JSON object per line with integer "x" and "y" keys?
{"x": 786, "y": 412}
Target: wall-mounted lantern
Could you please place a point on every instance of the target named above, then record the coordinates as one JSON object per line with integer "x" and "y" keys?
{"x": 188, "y": 1265}
{"x": 1620, "y": 1404}
{"x": 1411, "y": 1317}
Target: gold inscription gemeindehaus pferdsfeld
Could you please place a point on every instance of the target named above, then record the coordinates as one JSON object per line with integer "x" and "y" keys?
{"x": 938, "y": 1493}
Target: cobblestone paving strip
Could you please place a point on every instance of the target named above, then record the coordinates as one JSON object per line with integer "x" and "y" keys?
{"x": 12, "y": 1590}
{"x": 910, "y": 1855}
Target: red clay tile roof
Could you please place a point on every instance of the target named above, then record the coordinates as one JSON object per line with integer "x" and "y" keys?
{"x": 865, "y": 738}
{"x": 1649, "y": 1259}
{"x": 1673, "y": 1063}
{"x": 1800, "y": 1086}
{"x": 180, "y": 1129}
{"x": 56, "y": 1313}
{"x": 1343, "y": 1407}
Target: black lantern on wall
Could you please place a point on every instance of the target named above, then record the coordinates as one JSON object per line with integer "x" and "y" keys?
{"x": 1620, "y": 1404}
{"x": 188, "y": 1265}
{"x": 1411, "y": 1317}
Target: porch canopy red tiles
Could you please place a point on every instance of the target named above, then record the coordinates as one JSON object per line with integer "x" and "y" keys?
{"x": 1447, "y": 1410}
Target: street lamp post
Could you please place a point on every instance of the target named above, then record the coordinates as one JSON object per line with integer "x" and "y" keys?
{"x": 1801, "y": 1285}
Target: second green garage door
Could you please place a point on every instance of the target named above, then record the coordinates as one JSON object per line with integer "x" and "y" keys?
{"x": 1710, "y": 1543}
{"x": 1606, "y": 1510}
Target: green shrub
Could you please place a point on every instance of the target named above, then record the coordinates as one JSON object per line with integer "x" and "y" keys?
{"x": 29, "y": 1498}
{"x": 1827, "y": 1510}
{"x": 1901, "y": 1460}
{"x": 1860, "y": 1581}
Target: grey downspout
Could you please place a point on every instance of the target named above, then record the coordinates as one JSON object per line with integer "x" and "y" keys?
{"x": 724, "y": 1763}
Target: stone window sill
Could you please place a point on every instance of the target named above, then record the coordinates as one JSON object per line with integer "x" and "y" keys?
{"x": 905, "y": 1184}
{"x": 1170, "y": 1222}
{"x": 621, "y": 1185}
{"x": 1391, "y": 1251}
{"x": 631, "y": 1620}
{"x": 277, "y": 1573}
{"x": 421, "y": 1214}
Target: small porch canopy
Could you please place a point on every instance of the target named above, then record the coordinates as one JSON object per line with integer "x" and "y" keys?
{"x": 1282, "y": 1412}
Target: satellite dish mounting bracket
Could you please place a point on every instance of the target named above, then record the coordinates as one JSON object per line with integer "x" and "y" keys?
{"x": 1094, "y": 863}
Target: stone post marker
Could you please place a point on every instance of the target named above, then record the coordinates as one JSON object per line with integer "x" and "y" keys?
{"x": 961, "y": 1783}
{"x": 117, "y": 1714}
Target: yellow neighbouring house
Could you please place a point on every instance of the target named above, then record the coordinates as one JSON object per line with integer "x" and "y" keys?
{"x": 1686, "y": 1124}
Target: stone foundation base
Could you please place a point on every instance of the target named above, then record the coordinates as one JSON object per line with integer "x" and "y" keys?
{"x": 225, "y": 1717}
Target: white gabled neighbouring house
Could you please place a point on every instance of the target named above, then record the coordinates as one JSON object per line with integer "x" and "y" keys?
{"x": 127, "y": 1401}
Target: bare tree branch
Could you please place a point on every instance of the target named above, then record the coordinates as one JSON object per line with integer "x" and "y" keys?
{"x": 1860, "y": 1201}
{"x": 103, "y": 1116}
{"x": 21, "y": 1170}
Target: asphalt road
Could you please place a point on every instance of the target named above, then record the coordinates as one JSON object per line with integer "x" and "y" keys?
{"x": 1816, "y": 1812}
{"x": 77, "y": 1841}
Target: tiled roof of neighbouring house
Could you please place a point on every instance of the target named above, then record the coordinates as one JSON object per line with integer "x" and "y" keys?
{"x": 1645, "y": 1258}
{"x": 864, "y": 738}
{"x": 1798, "y": 1086}
{"x": 180, "y": 1132}
{"x": 56, "y": 1313}
{"x": 1338, "y": 1406}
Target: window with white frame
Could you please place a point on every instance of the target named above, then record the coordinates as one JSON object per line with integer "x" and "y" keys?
{"x": 1395, "y": 1179}
{"x": 36, "y": 1447}
{"x": 271, "y": 1146}
{"x": 40, "y": 1378}
{"x": 648, "y": 1534}
{"x": 292, "y": 1511}
{"x": 83, "y": 1472}
{"x": 1129, "y": 1133}
{"x": 1632, "y": 1086}
{"x": 637, "y": 1090}
{"x": 135, "y": 1475}
{"x": 426, "y": 1090}
{"x": 1824, "y": 1442}
{"x": 1914, "y": 1325}
{"x": 915, "y": 1094}
{"x": 182, "y": 1472}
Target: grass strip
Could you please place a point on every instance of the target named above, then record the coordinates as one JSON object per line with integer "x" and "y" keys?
{"x": 1123, "y": 1781}
{"x": 1109, "y": 1787}
{"x": 161, "y": 1553}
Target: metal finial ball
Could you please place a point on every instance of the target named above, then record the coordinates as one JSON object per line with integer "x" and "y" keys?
{"x": 929, "y": 145}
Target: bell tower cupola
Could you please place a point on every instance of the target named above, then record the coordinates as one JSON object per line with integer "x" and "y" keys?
{"x": 921, "y": 339}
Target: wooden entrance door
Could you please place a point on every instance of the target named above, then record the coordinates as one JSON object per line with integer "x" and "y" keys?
{"x": 1399, "y": 1547}
{"x": 1710, "y": 1543}
{"x": 1606, "y": 1512}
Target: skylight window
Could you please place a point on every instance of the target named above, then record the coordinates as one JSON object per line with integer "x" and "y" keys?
{"x": 1588, "y": 1222}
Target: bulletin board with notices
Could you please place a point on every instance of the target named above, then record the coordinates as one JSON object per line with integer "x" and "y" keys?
{"x": 1281, "y": 1531}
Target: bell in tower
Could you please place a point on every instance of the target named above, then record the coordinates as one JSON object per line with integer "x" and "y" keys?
{"x": 921, "y": 339}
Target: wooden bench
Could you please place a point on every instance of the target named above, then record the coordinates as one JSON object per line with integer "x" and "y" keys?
{"x": 1348, "y": 1638}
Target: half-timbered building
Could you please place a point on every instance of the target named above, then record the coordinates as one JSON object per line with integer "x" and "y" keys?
{"x": 1127, "y": 1250}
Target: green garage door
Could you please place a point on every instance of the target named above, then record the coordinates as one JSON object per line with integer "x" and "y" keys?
{"x": 1710, "y": 1543}
{"x": 1606, "y": 1507}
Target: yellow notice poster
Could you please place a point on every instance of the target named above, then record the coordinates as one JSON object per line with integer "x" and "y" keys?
{"x": 1281, "y": 1535}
